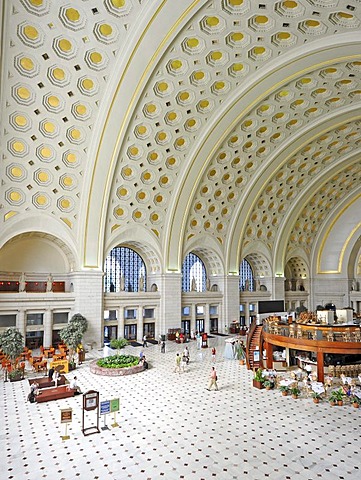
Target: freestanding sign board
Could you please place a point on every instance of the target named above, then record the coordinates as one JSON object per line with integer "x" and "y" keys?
{"x": 90, "y": 403}
{"x": 66, "y": 416}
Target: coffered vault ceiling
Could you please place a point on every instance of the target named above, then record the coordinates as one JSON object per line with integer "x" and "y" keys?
{"x": 242, "y": 128}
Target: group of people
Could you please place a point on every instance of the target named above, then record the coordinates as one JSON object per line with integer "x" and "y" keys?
{"x": 181, "y": 361}
{"x": 53, "y": 376}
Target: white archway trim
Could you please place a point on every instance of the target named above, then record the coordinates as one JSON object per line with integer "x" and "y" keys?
{"x": 209, "y": 251}
{"x": 228, "y": 118}
{"x": 150, "y": 40}
{"x": 147, "y": 246}
{"x": 49, "y": 228}
{"x": 338, "y": 236}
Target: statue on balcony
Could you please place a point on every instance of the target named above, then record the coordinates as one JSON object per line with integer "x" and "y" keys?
{"x": 354, "y": 285}
{"x": 22, "y": 283}
{"x": 194, "y": 285}
{"x": 49, "y": 283}
{"x": 141, "y": 283}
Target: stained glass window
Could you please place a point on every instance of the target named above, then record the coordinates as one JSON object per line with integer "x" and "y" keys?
{"x": 193, "y": 274}
{"x": 124, "y": 271}
{"x": 246, "y": 279}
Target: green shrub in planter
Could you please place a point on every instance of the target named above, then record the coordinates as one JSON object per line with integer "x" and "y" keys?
{"x": 118, "y": 361}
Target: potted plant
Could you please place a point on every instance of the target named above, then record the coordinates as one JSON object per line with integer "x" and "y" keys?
{"x": 258, "y": 379}
{"x": 284, "y": 390}
{"x": 118, "y": 344}
{"x": 241, "y": 353}
{"x": 16, "y": 374}
{"x": 316, "y": 397}
{"x": 336, "y": 397}
{"x": 295, "y": 392}
{"x": 355, "y": 401}
{"x": 267, "y": 384}
{"x": 12, "y": 344}
{"x": 72, "y": 335}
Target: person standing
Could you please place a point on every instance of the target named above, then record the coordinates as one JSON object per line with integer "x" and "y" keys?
{"x": 214, "y": 354}
{"x": 51, "y": 373}
{"x": 56, "y": 377}
{"x": 178, "y": 360}
{"x": 145, "y": 344}
{"x": 186, "y": 355}
{"x": 162, "y": 347}
{"x": 213, "y": 379}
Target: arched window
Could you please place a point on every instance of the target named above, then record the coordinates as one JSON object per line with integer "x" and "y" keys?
{"x": 124, "y": 271}
{"x": 193, "y": 274}
{"x": 246, "y": 280}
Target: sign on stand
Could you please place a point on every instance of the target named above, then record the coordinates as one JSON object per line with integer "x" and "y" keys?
{"x": 114, "y": 408}
{"x": 104, "y": 410}
{"x": 91, "y": 402}
{"x": 66, "y": 416}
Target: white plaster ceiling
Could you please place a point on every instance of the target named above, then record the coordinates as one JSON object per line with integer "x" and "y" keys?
{"x": 235, "y": 123}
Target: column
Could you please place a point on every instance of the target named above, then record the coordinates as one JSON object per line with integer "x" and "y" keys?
{"x": 88, "y": 300}
{"x": 320, "y": 367}
{"x": 21, "y": 322}
{"x": 229, "y": 285}
{"x": 269, "y": 353}
{"x": 48, "y": 328}
{"x": 207, "y": 319}
{"x": 246, "y": 314}
{"x": 193, "y": 317}
{"x": 170, "y": 300}
{"x": 140, "y": 324}
{"x": 120, "y": 322}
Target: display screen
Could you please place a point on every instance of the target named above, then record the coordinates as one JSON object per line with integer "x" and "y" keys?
{"x": 271, "y": 306}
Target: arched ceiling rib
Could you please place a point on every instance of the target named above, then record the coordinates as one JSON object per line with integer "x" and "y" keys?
{"x": 244, "y": 153}
{"x": 210, "y": 58}
{"x": 60, "y": 63}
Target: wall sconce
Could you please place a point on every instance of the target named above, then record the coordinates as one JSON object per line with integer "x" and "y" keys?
{"x": 279, "y": 275}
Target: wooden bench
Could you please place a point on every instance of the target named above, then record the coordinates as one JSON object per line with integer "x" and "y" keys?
{"x": 45, "y": 382}
{"x": 48, "y": 394}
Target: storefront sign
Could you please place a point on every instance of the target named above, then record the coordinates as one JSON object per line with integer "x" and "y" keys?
{"x": 62, "y": 366}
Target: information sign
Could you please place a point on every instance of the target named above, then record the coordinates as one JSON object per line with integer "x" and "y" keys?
{"x": 66, "y": 415}
{"x": 114, "y": 405}
{"x": 104, "y": 407}
{"x": 256, "y": 356}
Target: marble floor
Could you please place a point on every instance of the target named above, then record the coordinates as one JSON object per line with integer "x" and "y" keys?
{"x": 171, "y": 427}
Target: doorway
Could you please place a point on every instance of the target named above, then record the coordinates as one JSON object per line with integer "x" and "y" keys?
{"x": 130, "y": 331}
{"x": 214, "y": 325}
{"x": 149, "y": 330}
{"x": 200, "y": 325}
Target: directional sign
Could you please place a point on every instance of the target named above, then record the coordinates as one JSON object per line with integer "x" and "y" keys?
{"x": 105, "y": 407}
{"x": 114, "y": 405}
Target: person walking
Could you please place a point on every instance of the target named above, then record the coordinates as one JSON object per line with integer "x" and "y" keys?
{"x": 213, "y": 379}
{"x": 162, "y": 347}
{"x": 214, "y": 354}
{"x": 186, "y": 355}
{"x": 178, "y": 360}
{"x": 145, "y": 344}
{"x": 183, "y": 363}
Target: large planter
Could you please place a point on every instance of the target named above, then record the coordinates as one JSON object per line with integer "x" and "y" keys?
{"x": 258, "y": 384}
{"x": 115, "y": 372}
{"x": 16, "y": 378}
{"x": 356, "y": 405}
